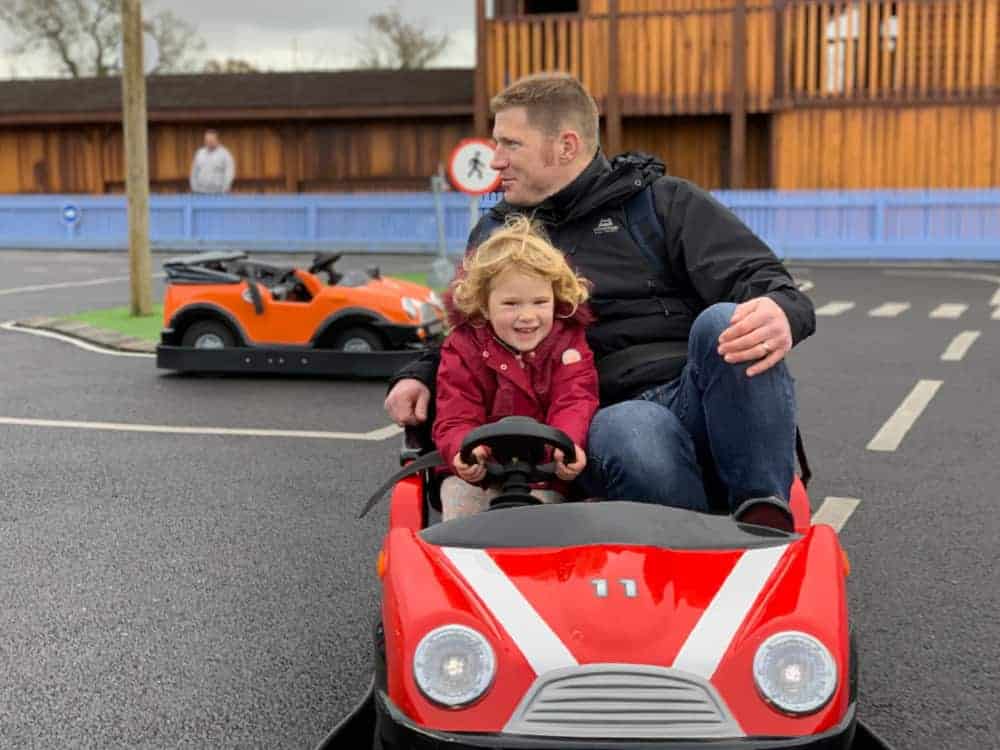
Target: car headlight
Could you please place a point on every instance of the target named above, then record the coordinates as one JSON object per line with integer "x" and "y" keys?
{"x": 454, "y": 665}
{"x": 411, "y": 307}
{"x": 795, "y": 672}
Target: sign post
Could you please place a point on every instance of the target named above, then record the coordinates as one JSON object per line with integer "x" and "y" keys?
{"x": 469, "y": 170}
{"x": 136, "y": 158}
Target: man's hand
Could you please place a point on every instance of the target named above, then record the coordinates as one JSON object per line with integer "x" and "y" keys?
{"x": 473, "y": 472}
{"x": 569, "y": 472}
{"x": 759, "y": 332}
{"x": 407, "y": 402}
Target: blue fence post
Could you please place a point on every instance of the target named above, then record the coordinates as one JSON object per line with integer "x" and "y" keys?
{"x": 878, "y": 228}
{"x": 312, "y": 221}
{"x": 188, "y": 220}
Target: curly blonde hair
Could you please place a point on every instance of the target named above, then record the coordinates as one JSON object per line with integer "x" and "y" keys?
{"x": 523, "y": 246}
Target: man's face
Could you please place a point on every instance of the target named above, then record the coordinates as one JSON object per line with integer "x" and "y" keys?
{"x": 211, "y": 140}
{"x": 525, "y": 158}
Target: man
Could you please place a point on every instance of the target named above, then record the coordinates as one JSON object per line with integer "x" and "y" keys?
{"x": 711, "y": 288}
{"x": 212, "y": 170}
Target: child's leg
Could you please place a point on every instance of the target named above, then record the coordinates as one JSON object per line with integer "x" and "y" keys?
{"x": 460, "y": 499}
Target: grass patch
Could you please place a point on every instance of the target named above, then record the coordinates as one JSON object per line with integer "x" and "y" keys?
{"x": 118, "y": 319}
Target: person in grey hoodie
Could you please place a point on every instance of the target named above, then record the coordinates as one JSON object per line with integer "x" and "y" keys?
{"x": 213, "y": 168}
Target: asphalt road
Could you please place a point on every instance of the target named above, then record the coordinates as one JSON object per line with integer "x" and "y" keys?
{"x": 193, "y": 590}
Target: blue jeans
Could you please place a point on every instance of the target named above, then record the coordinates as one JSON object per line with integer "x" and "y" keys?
{"x": 653, "y": 448}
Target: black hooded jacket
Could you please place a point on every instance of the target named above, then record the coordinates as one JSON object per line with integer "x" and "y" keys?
{"x": 709, "y": 256}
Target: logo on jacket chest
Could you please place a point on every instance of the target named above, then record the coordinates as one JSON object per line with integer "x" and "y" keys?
{"x": 606, "y": 226}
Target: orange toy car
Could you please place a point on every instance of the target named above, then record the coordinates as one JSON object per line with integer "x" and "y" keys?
{"x": 226, "y": 313}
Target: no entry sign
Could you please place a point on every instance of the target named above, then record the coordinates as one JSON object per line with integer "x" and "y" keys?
{"x": 469, "y": 167}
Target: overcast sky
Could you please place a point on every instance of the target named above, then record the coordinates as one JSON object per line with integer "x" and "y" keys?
{"x": 290, "y": 35}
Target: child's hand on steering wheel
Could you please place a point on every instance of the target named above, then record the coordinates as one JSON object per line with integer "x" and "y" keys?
{"x": 474, "y": 472}
{"x": 569, "y": 472}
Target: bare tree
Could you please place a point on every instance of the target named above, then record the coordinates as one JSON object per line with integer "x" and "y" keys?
{"x": 82, "y": 37}
{"x": 395, "y": 43}
{"x": 230, "y": 65}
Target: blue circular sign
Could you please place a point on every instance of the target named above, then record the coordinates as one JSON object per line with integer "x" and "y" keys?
{"x": 70, "y": 214}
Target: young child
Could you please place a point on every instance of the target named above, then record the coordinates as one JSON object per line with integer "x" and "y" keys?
{"x": 517, "y": 348}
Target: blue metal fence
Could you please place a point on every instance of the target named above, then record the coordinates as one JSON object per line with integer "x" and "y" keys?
{"x": 943, "y": 224}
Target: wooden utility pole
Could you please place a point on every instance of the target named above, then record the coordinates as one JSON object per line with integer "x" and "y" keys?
{"x": 738, "y": 89}
{"x": 612, "y": 107}
{"x": 480, "y": 109}
{"x": 136, "y": 158}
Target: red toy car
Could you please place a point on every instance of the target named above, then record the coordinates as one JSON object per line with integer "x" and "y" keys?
{"x": 611, "y": 625}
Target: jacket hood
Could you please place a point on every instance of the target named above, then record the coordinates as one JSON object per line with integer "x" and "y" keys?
{"x": 602, "y": 183}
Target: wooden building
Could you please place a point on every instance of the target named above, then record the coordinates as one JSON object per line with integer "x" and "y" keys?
{"x": 288, "y": 132}
{"x": 786, "y": 94}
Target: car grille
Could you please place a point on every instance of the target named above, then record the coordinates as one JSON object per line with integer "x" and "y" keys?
{"x": 622, "y": 700}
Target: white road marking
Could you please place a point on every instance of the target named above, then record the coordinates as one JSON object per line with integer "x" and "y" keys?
{"x": 85, "y": 345}
{"x": 831, "y": 309}
{"x": 996, "y": 314}
{"x": 835, "y": 511}
{"x": 995, "y": 300}
{"x": 894, "y": 430}
{"x": 69, "y": 284}
{"x": 889, "y": 310}
{"x": 806, "y": 286}
{"x": 382, "y": 433}
{"x": 949, "y": 311}
{"x": 959, "y": 346}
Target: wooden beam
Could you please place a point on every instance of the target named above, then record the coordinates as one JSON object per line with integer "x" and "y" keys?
{"x": 738, "y": 93}
{"x": 136, "y": 158}
{"x": 480, "y": 108}
{"x": 612, "y": 107}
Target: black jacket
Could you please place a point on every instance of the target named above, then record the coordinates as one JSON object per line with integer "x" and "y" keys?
{"x": 709, "y": 256}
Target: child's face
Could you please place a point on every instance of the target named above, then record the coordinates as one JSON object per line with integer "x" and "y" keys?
{"x": 520, "y": 308}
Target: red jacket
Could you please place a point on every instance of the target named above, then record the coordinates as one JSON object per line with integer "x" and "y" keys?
{"x": 480, "y": 380}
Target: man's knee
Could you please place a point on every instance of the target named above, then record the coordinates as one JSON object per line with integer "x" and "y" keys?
{"x": 711, "y": 322}
{"x": 636, "y": 430}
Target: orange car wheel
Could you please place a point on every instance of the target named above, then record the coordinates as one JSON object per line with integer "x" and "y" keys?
{"x": 208, "y": 334}
{"x": 358, "y": 340}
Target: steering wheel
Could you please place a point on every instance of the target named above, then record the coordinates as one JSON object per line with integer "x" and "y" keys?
{"x": 517, "y": 446}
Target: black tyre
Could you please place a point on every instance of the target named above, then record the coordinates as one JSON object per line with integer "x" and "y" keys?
{"x": 358, "y": 340}
{"x": 209, "y": 334}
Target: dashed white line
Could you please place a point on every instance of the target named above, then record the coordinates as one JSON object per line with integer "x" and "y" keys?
{"x": 949, "y": 311}
{"x": 894, "y": 430}
{"x": 835, "y": 511}
{"x": 831, "y": 309}
{"x": 806, "y": 286}
{"x": 85, "y": 345}
{"x": 996, "y": 314}
{"x": 382, "y": 433}
{"x": 959, "y": 346}
{"x": 995, "y": 300}
{"x": 889, "y": 310}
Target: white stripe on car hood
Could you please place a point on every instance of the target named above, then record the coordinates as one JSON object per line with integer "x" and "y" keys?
{"x": 542, "y": 648}
{"x": 530, "y": 633}
{"x": 711, "y": 636}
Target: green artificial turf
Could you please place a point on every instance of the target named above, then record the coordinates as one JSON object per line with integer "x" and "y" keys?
{"x": 118, "y": 319}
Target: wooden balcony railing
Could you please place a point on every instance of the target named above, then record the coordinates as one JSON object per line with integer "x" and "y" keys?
{"x": 808, "y": 51}
{"x": 915, "y": 50}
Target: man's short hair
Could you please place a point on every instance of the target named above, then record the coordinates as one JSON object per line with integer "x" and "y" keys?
{"x": 552, "y": 101}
